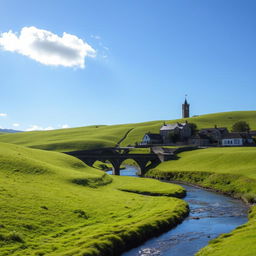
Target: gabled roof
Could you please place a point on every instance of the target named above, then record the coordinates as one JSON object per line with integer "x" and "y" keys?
{"x": 233, "y": 135}
{"x": 210, "y": 130}
{"x": 170, "y": 127}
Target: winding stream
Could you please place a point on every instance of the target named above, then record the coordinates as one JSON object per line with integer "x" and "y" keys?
{"x": 211, "y": 214}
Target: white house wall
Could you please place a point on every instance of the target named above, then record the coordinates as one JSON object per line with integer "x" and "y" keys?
{"x": 232, "y": 142}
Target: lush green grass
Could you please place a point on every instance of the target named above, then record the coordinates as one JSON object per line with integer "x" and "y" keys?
{"x": 230, "y": 170}
{"x": 238, "y": 160}
{"x": 149, "y": 187}
{"x": 70, "y": 139}
{"x": 53, "y": 204}
{"x": 108, "y": 136}
{"x": 139, "y": 151}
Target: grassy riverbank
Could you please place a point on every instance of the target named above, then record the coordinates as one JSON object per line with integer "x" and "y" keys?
{"x": 229, "y": 170}
{"x": 240, "y": 242}
{"x": 53, "y": 204}
{"x": 109, "y": 135}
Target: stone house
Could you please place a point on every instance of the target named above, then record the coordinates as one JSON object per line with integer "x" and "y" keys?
{"x": 182, "y": 131}
{"x": 199, "y": 140}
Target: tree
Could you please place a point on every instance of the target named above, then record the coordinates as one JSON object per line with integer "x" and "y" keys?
{"x": 241, "y": 126}
{"x": 193, "y": 128}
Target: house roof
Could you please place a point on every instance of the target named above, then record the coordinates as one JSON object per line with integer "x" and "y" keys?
{"x": 233, "y": 135}
{"x": 154, "y": 136}
{"x": 210, "y": 130}
{"x": 168, "y": 127}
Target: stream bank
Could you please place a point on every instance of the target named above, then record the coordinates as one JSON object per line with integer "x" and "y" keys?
{"x": 211, "y": 214}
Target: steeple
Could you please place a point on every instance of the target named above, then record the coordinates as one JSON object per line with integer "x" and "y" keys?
{"x": 185, "y": 108}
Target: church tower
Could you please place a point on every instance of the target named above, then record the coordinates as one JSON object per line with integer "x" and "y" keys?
{"x": 185, "y": 109}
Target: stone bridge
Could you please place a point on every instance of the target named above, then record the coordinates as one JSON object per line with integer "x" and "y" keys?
{"x": 117, "y": 155}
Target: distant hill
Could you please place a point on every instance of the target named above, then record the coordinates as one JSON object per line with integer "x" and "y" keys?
{"x": 8, "y": 131}
{"x": 109, "y": 135}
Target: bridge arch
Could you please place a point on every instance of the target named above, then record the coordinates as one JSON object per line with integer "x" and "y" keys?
{"x": 115, "y": 156}
{"x": 138, "y": 166}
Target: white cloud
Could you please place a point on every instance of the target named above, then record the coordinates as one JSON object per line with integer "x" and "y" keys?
{"x": 64, "y": 126}
{"x": 34, "y": 128}
{"x": 48, "y": 128}
{"x": 38, "y": 128}
{"x": 15, "y": 125}
{"x": 47, "y": 47}
{"x": 3, "y": 114}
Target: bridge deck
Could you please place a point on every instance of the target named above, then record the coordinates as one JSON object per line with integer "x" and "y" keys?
{"x": 117, "y": 155}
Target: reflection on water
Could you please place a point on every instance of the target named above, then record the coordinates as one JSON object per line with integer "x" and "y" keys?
{"x": 128, "y": 171}
{"x": 211, "y": 214}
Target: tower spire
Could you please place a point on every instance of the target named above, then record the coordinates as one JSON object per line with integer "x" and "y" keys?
{"x": 185, "y": 108}
{"x": 186, "y": 102}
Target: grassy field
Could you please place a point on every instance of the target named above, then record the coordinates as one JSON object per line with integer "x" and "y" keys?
{"x": 107, "y": 136}
{"x": 238, "y": 160}
{"x": 53, "y": 204}
{"x": 230, "y": 170}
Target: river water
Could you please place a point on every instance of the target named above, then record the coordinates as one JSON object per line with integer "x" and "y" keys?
{"x": 211, "y": 214}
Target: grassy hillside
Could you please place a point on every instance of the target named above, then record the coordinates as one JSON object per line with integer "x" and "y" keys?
{"x": 230, "y": 170}
{"x": 53, "y": 204}
{"x": 108, "y": 136}
{"x": 235, "y": 161}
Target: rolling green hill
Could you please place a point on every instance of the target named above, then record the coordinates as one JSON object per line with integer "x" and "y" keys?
{"x": 235, "y": 161}
{"x": 53, "y": 204}
{"x": 56, "y": 205}
{"x": 107, "y": 136}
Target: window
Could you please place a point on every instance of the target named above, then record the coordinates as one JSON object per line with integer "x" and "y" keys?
{"x": 236, "y": 141}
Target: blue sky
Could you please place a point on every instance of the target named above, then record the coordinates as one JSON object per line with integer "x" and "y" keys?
{"x": 145, "y": 56}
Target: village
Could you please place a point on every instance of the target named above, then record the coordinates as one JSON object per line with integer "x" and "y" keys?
{"x": 186, "y": 133}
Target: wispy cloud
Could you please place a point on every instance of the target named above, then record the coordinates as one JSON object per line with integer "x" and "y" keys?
{"x": 3, "y": 114}
{"x": 97, "y": 37}
{"x": 47, "y": 47}
{"x": 103, "y": 51}
{"x": 64, "y": 126}
{"x": 38, "y": 128}
{"x": 15, "y": 125}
